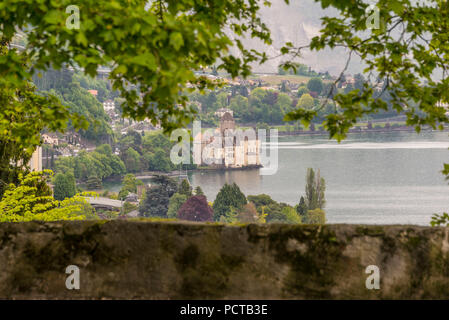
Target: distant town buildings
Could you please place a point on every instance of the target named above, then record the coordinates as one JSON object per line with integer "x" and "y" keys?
{"x": 93, "y": 92}
{"x": 108, "y": 105}
{"x": 50, "y": 139}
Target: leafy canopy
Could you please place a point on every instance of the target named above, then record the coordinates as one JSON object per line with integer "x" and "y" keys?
{"x": 408, "y": 52}
{"x": 29, "y": 201}
{"x": 151, "y": 47}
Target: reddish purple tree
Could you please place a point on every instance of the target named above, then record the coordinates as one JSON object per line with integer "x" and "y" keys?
{"x": 196, "y": 208}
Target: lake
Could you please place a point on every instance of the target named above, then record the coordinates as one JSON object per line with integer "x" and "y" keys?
{"x": 371, "y": 178}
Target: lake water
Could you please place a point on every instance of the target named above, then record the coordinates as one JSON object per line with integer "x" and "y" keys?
{"x": 371, "y": 178}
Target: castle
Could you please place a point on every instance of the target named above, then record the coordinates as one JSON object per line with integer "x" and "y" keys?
{"x": 229, "y": 148}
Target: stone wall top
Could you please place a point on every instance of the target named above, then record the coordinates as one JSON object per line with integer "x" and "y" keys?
{"x": 170, "y": 260}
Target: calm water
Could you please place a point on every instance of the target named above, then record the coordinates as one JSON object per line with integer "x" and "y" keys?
{"x": 381, "y": 178}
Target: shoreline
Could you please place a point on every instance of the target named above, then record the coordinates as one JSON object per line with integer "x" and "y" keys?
{"x": 381, "y": 130}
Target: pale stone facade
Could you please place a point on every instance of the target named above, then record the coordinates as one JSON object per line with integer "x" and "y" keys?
{"x": 36, "y": 160}
{"x": 228, "y": 147}
{"x": 50, "y": 139}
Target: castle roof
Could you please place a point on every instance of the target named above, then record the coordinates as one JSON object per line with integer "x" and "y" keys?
{"x": 227, "y": 117}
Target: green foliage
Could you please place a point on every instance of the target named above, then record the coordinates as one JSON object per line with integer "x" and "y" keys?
{"x": 84, "y": 104}
{"x": 24, "y": 113}
{"x": 272, "y": 211}
{"x": 306, "y": 102}
{"x": 94, "y": 183}
{"x": 64, "y": 186}
{"x": 101, "y": 163}
{"x": 157, "y": 197}
{"x": 284, "y": 87}
{"x": 150, "y": 152}
{"x": 230, "y": 216}
{"x": 290, "y": 216}
{"x": 315, "y": 188}
{"x": 129, "y": 207}
{"x": 316, "y": 216}
{"x": 440, "y": 220}
{"x": 129, "y": 185}
{"x": 159, "y": 161}
{"x": 228, "y": 199}
{"x": 176, "y": 201}
{"x": 155, "y": 203}
{"x": 27, "y": 202}
{"x": 405, "y": 52}
{"x": 185, "y": 188}
{"x": 199, "y": 191}
{"x": 302, "y": 91}
{"x": 170, "y": 39}
{"x": 12, "y": 157}
{"x": 315, "y": 85}
{"x": 261, "y": 106}
{"x": 301, "y": 209}
{"x": 132, "y": 160}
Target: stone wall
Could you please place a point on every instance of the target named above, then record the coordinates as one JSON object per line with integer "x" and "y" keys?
{"x": 167, "y": 260}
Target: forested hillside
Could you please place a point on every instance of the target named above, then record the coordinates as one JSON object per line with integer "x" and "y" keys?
{"x": 72, "y": 90}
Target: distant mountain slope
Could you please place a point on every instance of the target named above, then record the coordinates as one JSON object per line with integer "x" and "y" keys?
{"x": 298, "y": 23}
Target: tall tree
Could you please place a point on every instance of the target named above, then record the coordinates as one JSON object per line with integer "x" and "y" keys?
{"x": 315, "y": 189}
{"x": 185, "y": 188}
{"x": 199, "y": 191}
{"x": 302, "y": 207}
{"x": 315, "y": 85}
{"x": 311, "y": 196}
{"x": 175, "y": 202}
{"x": 129, "y": 185}
{"x": 157, "y": 197}
{"x": 64, "y": 186}
{"x": 229, "y": 198}
{"x": 306, "y": 101}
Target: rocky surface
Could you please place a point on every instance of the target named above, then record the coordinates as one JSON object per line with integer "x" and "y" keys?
{"x": 168, "y": 260}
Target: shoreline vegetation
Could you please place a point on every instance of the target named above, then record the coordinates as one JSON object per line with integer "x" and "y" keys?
{"x": 354, "y": 130}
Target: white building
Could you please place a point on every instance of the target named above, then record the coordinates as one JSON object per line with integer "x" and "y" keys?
{"x": 50, "y": 139}
{"x": 109, "y": 105}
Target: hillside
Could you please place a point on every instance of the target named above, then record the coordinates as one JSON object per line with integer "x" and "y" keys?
{"x": 298, "y": 23}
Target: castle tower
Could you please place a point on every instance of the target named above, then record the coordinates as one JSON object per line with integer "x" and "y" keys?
{"x": 227, "y": 122}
